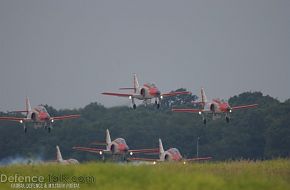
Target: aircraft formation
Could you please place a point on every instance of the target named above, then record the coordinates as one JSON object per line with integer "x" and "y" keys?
{"x": 118, "y": 148}
{"x": 39, "y": 117}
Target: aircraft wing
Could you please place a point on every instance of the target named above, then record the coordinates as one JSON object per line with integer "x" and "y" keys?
{"x": 175, "y": 93}
{"x": 65, "y": 117}
{"x": 143, "y": 159}
{"x": 86, "y": 149}
{"x": 117, "y": 94}
{"x": 153, "y": 150}
{"x": 198, "y": 159}
{"x": 244, "y": 106}
{"x": 186, "y": 110}
{"x": 17, "y": 119}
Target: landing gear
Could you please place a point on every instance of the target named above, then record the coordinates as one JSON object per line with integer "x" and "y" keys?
{"x": 124, "y": 158}
{"x": 227, "y": 119}
{"x": 157, "y": 102}
{"x": 49, "y": 128}
{"x": 203, "y": 118}
{"x": 103, "y": 158}
{"x": 45, "y": 126}
{"x": 204, "y": 121}
{"x": 133, "y": 102}
{"x": 25, "y": 129}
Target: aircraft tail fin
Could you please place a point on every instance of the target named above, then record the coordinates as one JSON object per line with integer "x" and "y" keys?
{"x": 161, "y": 149}
{"x": 203, "y": 97}
{"x": 108, "y": 138}
{"x": 58, "y": 154}
{"x": 136, "y": 83}
{"x": 27, "y": 105}
{"x": 27, "y": 108}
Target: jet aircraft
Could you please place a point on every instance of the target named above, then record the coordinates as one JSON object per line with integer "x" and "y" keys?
{"x": 146, "y": 92}
{"x": 115, "y": 147}
{"x": 60, "y": 160}
{"x": 170, "y": 155}
{"x": 38, "y": 116}
{"x": 216, "y": 108}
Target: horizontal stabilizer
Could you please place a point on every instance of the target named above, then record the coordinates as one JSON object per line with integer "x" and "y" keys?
{"x": 18, "y": 111}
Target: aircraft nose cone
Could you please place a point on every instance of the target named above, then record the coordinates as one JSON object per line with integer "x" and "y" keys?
{"x": 176, "y": 157}
{"x": 123, "y": 147}
{"x": 43, "y": 116}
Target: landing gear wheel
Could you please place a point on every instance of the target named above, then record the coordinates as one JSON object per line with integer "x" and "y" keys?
{"x": 25, "y": 130}
{"x": 134, "y": 106}
{"x": 158, "y": 106}
{"x": 103, "y": 158}
{"x": 49, "y": 129}
{"x": 227, "y": 119}
{"x": 156, "y": 102}
{"x": 204, "y": 121}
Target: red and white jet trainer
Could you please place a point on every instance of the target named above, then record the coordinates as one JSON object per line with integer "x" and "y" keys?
{"x": 146, "y": 93}
{"x": 216, "y": 107}
{"x": 38, "y": 116}
{"x": 172, "y": 154}
{"x": 115, "y": 147}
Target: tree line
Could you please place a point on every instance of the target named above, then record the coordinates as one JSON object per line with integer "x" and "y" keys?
{"x": 261, "y": 133}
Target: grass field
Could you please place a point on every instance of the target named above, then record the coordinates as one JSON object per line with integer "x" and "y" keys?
{"x": 263, "y": 175}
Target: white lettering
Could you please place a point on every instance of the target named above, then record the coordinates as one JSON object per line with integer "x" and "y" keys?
{"x": 3, "y": 178}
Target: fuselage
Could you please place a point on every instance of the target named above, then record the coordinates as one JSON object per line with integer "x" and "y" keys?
{"x": 148, "y": 91}
{"x": 171, "y": 154}
{"x": 216, "y": 106}
{"x": 39, "y": 115}
{"x": 118, "y": 146}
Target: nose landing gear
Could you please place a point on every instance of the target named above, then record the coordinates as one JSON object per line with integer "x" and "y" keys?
{"x": 227, "y": 119}
{"x": 133, "y": 102}
{"x": 157, "y": 102}
{"x": 25, "y": 128}
{"x": 204, "y": 121}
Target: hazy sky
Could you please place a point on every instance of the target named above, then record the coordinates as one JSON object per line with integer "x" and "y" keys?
{"x": 65, "y": 53}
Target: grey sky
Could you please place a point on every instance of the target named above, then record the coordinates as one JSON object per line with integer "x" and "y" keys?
{"x": 65, "y": 53}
